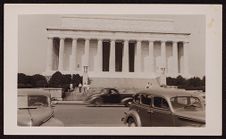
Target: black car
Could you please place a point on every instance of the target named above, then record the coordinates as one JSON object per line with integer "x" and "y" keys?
{"x": 109, "y": 96}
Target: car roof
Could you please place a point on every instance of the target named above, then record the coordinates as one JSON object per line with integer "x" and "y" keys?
{"x": 167, "y": 92}
{"x": 30, "y": 92}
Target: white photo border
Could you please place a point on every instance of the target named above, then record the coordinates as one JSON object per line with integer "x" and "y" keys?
{"x": 213, "y": 66}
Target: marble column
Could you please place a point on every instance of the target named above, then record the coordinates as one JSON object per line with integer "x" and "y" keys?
{"x": 112, "y": 57}
{"x": 86, "y": 52}
{"x": 99, "y": 56}
{"x": 185, "y": 47}
{"x": 163, "y": 54}
{"x": 61, "y": 55}
{"x": 151, "y": 56}
{"x": 175, "y": 58}
{"x": 138, "y": 57}
{"x": 125, "y": 65}
{"x": 49, "y": 65}
{"x": 73, "y": 55}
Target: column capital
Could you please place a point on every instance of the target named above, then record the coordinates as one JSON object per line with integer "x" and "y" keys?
{"x": 62, "y": 38}
{"x": 139, "y": 41}
{"x": 174, "y": 42}
{"x": 164, "y": 41}
{"x": 87, "y": 38}
{"x": 112, "y": 40}
{"x": 74, "y": 38}
{"x": 151, "y": 41}
{"x": 99, "y": 39}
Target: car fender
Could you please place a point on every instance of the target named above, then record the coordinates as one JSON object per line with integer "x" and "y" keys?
{"x": 133, "y": 114}
{"x": 93, "y": 99}
{"x": 127, "y": 99}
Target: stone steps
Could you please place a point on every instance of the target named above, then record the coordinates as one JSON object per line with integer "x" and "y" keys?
{"x": 126, "y": 83}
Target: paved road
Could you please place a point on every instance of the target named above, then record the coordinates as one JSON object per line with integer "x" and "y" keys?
{"x": 81, "y": 115}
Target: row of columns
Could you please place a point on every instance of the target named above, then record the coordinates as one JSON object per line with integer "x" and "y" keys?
{"x": 125, "y": 65}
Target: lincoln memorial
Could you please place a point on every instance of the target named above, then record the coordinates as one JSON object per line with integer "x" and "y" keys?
{"x": 118, "y": 50}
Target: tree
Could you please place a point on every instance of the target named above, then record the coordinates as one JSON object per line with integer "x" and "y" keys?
{"x": 180, "y": 80}
{"x": 56, "y": 80}
{"x": 39, "y": 81}
{"x": 24, "y": 81}
{"x": 76, "y": 79}
{"x": 171, "y": 81}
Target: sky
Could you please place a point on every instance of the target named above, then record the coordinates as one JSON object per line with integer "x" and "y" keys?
{"x": 33, "y": 43}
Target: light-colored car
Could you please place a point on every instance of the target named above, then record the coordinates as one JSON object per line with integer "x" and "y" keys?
{"x": 165, "y": 107}
{"x": 35, "y": 109}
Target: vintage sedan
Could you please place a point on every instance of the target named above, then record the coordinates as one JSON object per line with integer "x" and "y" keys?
{"x": 109, "y": 96}
{"x": 35, "y": 109}
{"x": 165, "y": 107}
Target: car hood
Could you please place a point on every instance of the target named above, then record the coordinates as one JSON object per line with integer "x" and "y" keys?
{"x": 198, "y": 116}
{"x": 34, "y": 116}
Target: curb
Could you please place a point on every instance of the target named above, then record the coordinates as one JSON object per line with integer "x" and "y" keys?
{"x": 71, "y": 102}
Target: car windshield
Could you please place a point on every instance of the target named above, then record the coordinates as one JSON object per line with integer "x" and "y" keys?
{"x": 188, "y": 103}
{"x": 32, "y": 101}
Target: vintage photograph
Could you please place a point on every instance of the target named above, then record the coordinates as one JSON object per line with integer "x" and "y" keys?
{"x": 111, "y": 70}
{"x": 118, "y": 70}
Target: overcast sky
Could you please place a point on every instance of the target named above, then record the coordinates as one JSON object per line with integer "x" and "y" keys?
{"x": 32, "y": 38}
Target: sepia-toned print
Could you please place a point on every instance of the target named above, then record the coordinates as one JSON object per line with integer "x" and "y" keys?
{"x": 111, "y": 70}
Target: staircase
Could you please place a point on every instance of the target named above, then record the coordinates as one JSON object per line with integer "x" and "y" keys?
{"x": 123, "y": 82}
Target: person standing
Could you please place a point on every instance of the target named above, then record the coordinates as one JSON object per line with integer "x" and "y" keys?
{"x": 148, "y": 85}
{"x": 80, "y": 87}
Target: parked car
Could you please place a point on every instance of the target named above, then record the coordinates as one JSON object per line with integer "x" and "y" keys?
{"x": 35, "y": 109}
{"x": 165, "y": 107}
{"x": 109, "y": 96}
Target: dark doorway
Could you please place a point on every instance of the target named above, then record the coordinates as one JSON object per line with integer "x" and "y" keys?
{"x": 118, "y": 56}
{"x": 106, "y": 55}
{"x": 131, "y": 56}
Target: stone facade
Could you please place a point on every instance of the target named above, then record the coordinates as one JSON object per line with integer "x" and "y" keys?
{"x": 117, "y": 48}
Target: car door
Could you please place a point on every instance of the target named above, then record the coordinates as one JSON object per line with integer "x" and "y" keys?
{"x": 145, "y": 109}
{"x": 114, "y": 96}
{"x": 161, "y": 114}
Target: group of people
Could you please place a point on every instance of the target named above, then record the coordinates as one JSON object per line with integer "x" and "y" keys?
{"x": 83, "y": 88}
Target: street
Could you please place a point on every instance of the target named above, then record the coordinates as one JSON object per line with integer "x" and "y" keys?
{"x": 81, "y": 115}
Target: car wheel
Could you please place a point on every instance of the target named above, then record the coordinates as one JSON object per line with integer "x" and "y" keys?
{"x": 131, "y": 123}
{"x": 98, "y": 102}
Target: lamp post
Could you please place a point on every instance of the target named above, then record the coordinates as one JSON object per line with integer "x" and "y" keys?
{"x": 163, "y": 76}
{"x": 85, "y": 75}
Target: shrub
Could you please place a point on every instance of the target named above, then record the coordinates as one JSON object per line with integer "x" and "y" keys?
{"x": 76, "y": 79}
{"x": 194, "y": 83}
{"x": 56, "y": 80}
{"x": 39, "y": 81}
{"x": 24, "y": 81}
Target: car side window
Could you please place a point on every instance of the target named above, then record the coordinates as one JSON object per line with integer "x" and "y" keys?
{"x": 160, "y": 102}
{"x": 113, "y": 92}
{"x": 146, "y": 99}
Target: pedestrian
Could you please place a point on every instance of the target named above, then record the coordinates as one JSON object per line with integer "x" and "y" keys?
{"x": 148, "y": 85}
{"x": 80, "y": 87}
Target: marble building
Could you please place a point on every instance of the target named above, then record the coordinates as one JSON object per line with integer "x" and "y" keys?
{"x": 118, "y": 50}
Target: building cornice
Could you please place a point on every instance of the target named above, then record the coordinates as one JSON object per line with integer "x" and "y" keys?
{"x": 115, "y": 31}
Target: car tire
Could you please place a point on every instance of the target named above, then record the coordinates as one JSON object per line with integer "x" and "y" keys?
{"x": 131, "y": 122}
